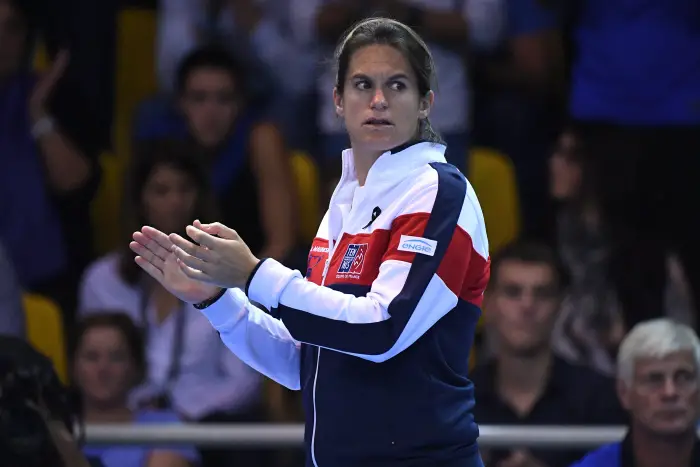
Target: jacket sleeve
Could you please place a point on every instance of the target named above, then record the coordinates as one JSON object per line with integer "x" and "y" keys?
{"x": 412, "y": 290}
{"x": 258, "y": 339}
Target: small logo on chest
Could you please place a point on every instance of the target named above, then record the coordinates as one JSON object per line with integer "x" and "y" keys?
{"x": 312, "y": 263}
{"x": 353, "y": 259}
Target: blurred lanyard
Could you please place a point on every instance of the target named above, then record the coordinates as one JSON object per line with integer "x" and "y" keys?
{"x": 178, "y": 337}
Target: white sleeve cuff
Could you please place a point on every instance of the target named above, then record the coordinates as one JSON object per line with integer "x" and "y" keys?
{"x": 227, "y": 310}
{"x": 268, "y": 282}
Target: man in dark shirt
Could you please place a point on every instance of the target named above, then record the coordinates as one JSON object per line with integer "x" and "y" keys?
{"x": 526, "y": 384}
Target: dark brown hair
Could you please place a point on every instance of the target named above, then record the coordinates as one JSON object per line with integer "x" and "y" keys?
{"x": 385, "y": 31}
{"x": 532, "y": 252}
{"x": 581, "y": 156}
{"x": 119, "y": 321}
{"x": 148, "y": 157}
{"x": 28, "y": 384}
{"x": 213, "y": 57}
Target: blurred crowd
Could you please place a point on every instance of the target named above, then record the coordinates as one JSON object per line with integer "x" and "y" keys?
{"x": 592, "y": 107}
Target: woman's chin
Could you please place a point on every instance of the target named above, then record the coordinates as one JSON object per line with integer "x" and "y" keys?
{"x": 380, "y": 142}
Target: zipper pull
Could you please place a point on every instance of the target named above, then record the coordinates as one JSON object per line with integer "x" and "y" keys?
{"x": 325, "y": 267}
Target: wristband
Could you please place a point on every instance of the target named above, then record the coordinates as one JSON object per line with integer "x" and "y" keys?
{"x": 42, "y": 127}
{"x": 210, "y": 301}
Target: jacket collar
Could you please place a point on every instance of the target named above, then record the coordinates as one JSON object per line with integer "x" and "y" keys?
{"x": 393, "y": 165}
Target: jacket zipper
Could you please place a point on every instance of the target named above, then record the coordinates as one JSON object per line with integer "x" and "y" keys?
{"x": 331, "y": 247}
{"x": 326, "y": 266}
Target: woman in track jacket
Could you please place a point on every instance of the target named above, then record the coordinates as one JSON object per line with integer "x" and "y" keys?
{"x": 378, "y": 332}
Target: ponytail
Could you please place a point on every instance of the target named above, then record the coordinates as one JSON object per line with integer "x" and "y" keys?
{"x": 427, "y": 133}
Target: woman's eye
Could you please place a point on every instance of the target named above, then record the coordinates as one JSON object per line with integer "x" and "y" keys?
{"x": 397, "y": 86}
{"x": 362, "y": 85}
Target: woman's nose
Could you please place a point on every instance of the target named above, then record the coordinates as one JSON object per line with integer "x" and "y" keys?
{"x": 379, "y": 100}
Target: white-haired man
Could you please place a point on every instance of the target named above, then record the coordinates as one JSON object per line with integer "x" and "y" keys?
{"x": 657, "y": 382}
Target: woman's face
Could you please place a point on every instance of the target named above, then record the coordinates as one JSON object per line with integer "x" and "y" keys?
{"x": 210, "y": 105}
{"x": 169, "y": 198}
{"x": 564, "y": 169}
{"x": 380, "y": 104}
{"x": 104, "y": 369}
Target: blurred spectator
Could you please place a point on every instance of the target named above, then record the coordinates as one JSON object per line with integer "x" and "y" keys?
{"x": 50, "y": 170}
{"x": 636, "y": 97}
{"x": 258, "y": 32}
{"x": 590, "y": 327}
{"x": 519, "y": 99}
{"x": 451, "y": 29}
{"x": 526, "y": 383}
{"x": 89, "y": 30}
{"x": 167, "y": 189}
{"x": 190, "y": 370}
{"x": 658, "y": 384}
{"x": 12, "y": 321}
{"x": 39, "y": 424}
{"x": 108, "y": 363}
{"x": 244, "y": 153}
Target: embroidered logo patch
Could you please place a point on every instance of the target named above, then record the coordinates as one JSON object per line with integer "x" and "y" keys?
{"x": 420, "y": 245}
{"x": 353, "y": 259}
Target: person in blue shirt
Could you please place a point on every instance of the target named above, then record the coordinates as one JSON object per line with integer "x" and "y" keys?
{"x": 109, "y": 360}
{"x": 242, "y": 149}
{"x": 659, "y": 385}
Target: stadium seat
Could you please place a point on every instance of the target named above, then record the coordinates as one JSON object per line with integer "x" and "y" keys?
{"x": 308, "y": 185}
{"x": 106, "y": 206}
{"x": 135, "y": 80}
{"x": 45, "y": 331}
{"x": 41, "y": 58}
{"x": 136, "y": 71}
{"x": 492, "y": 175}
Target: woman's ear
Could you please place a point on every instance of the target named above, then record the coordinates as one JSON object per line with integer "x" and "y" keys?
{"x": 425, "y": 104}
{"x": 338, "y": 101}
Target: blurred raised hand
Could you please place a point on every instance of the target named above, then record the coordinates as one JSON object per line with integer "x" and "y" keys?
{"x": 46, "y": 84}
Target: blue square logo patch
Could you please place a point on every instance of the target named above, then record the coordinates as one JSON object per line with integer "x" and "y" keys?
{"x": 353, "y": 259}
